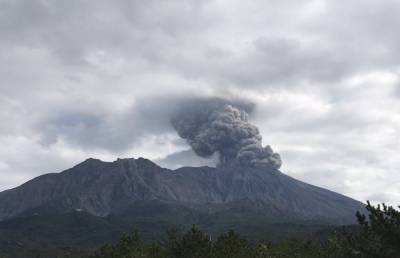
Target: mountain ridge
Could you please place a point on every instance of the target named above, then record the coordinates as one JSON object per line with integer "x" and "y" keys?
{"x": 108, "y": 188}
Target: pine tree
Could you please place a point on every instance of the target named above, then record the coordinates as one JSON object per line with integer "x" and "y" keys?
{"x": 380, "y": 236}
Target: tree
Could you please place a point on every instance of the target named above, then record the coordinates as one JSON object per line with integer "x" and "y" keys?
{"x": 192, "y": 244}
{"x": 127, "y": 247}
{"x": 377, "y": 236}
{"x": 230, "y": 245}
{"x": 380, "y": 236}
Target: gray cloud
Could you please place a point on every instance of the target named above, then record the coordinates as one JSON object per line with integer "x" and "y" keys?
{"x": 221, "y": 126}
{"x": 107, "y": 130}
{"x": 186, "y": 158}
{"x": 72, "y": 30}
{"x": 102, "y": 79}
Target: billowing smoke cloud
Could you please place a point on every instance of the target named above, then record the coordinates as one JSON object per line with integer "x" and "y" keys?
{"x": 221, "y": 126}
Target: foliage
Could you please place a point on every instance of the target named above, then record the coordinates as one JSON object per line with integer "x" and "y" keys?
{"x": 192, "y": 244}
{"x": 231, "y": 245}
{"x": 128, "y": 246}
{"x": 379, "y": 236}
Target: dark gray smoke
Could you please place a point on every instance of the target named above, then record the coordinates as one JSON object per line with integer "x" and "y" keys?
{"x": 222, "y": 126}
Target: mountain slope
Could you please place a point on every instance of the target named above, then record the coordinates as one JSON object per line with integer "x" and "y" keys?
{"x": 112, "y": 188}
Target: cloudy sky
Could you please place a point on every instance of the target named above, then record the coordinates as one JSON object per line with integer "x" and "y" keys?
{"x": 99, "y": 79}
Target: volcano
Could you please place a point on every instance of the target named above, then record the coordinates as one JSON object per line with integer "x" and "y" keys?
{"x": 108, "y": 188}
{"x": 112, "y": 198}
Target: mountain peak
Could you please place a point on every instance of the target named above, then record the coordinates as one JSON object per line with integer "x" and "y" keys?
{"x": 141, "y": 163}
{"x": 104, "y": 188}
{"x": 90, "y": 162}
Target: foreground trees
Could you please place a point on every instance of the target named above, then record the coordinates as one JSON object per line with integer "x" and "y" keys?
{"x": 378, "y": 235}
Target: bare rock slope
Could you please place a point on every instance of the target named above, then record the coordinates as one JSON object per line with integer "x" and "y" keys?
{"x": 107, "y": 188}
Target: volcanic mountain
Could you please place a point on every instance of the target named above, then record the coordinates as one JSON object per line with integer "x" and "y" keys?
{"x": 111, "y": 188}
{"x": 96, "y": 202}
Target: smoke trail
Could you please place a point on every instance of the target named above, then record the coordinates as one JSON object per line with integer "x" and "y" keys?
{"x": 221, "y": 126}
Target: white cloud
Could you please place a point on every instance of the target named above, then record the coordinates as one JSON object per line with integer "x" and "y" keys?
{"x": 81, "y": 79}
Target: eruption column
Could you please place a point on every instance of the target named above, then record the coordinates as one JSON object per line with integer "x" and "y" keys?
{"x": 220, "y": 126}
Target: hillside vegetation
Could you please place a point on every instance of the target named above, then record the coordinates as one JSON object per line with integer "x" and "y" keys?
{"x": 378, "y": 236}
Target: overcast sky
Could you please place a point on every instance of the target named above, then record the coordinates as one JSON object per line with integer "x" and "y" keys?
{"x": 99, "y": 79}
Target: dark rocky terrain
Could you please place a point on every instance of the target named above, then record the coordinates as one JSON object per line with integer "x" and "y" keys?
{"x": 95, "y": 202}
{"x": 105, "y": 188}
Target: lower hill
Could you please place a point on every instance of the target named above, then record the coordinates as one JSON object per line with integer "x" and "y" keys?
{"x": 78, "y": 234}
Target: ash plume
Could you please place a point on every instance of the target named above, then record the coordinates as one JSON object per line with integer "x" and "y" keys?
{"x": 222, "y": 126}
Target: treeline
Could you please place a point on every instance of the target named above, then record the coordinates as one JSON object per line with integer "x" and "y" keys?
{"x": 379, "y": 236}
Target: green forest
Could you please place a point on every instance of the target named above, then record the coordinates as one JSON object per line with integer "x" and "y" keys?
{"x": 378, "y": 235}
